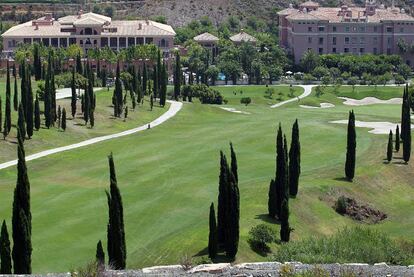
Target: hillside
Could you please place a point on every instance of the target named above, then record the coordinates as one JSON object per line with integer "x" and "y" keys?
{"x": 177, "y": 12}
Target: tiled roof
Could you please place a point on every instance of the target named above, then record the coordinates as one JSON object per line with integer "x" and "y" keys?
{"x": 333, "y": 15}
{"x": 242, "y": 36}
{"x": 206, "y": 37}
{"x": 84, "y": 19}
{"x": 309, "y": 4}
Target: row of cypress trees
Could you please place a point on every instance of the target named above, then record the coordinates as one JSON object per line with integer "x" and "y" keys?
{"x": 224, "y": 234}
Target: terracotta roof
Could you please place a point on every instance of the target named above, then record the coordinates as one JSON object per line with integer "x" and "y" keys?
{"x": 333, "y": 15}
{"x": 309, "y": 4}
{"x": 288, "y": 11}
{"x": 242, "y": 36}
{"x": 206, "y": 37}
{"x": 86, "y": 18}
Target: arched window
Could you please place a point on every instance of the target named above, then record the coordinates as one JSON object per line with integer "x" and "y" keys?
{"x": 88, "y": 31}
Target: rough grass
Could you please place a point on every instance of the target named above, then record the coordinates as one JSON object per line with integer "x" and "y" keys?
{"x": 346, "y": 246}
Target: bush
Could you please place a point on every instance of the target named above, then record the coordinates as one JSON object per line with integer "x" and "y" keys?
{"x": 346, "y": 246}
{"x": 205, "y": 94}
{"x": 259, "y": 236}
{"x": 340, "y": 205}
{"x": 246, "y": 100}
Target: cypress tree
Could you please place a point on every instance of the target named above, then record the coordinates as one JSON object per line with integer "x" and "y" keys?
{"x": 79, "y": 68}
{"x": 59, "y": 116}
{"x": 37, "y": 114}
{"x": 16, "y": 95}
{"x": 272, "y": 200}
{"x": 405, "y": 98}
{"x": 37, "y": 64}
{"x": 1, "y": 116}
{"x": 281, "y": 182}
{"x": 159, "y": 71}
{"x": 64, "y": 119}
{"x": 155, "y": 80}
{"x": 92, "y": 118}
{"x": 389, "y": 147}
{"x": 212, "y": 236}
{"x": 53, "y": 110}
{"x": 284, "y": 222}
{"x": 234, "y": 163}
{"x": 126, "y": 113}
{"x": 21, "y": 123}
{"x": 86, "y": 105}
{"x": 100, "y": 254}
{"x": 151, "y": 101}
{"x": 351, "y": 148}
{"x": 103, "y": 77}
{"x": 233, "y": 217}
{"x": 5, "y": 253}
{"x": 29, "y": 107}
{"x": 21, "y": 217}
{"x": 294, "y": 160}
{"x": 23, "y": 86}
{"x": 222, "y": 201}
{"x": 118, "y": 92}
{"x": 7, "y": 114}
{"x": 116, "y": 232}
{"x": 74, "y": 97}
{"x": 406, "y": 126}
{"x": 144, "y": 79}
{"x": 177, "y": 76}
{"x": 397, "y": 139}
{"x": 47, "y": 96}
{"x": 163, "y": 85}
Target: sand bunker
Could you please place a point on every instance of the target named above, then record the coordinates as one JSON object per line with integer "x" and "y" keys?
{"x": 233, "y": 110}
{"x": 322, "y": 106}
{"x": 369, "y": 101}
{"x": 378, "y": 128}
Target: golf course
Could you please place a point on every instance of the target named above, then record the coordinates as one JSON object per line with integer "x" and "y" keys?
{"x": 168, "y": 175}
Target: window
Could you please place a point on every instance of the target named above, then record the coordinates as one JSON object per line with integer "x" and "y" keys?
{"x": 346, "y": 50}
{"x": 104, "y": 42}
{"x": 162, "y": 43}
{"x": 27, "y": 40}
{"x": 122, "y": 42}
{"x": 36, "y": 40}
{"x": 334, "y": 29}
{"x": 72, "y": 41}
{"x": 88, "y": 31}
{"x": 54, "y": 42}
{"x": 309, "y": 39}
{"x": 402, "y": 30}
{"x": 333, "y": 50}
{"x": 63, "y": 42}
{"x": 95, "y": 32}
{"x": 309, "y": 29}
{"x": 149, "y": 40}
{"x": 354, "y": 40}
{"x": 362, "y": 40}
{"x": 361, "y": 50}
{"x": 362, "y": 29}
{"x": 113, "y": 42}
{"x": 334, "y": 40}
{"x": 347, "y": 29}
{"x": 45, "y": 41}
{"x": 375, "y": 29}
{"x": 131, "y": 41}
{"x": 140, "y": 41}
{"x": 389, "y": 41}
{"x": 390, "y": 29}
{"x": 346, "y": 40}
{"x": 320, "y": 40}
{"x": 321, "y": 28}
{"x": 320, "y": 50}
{"x": 375, "y": 40}
{"x": 354, "y": 50}
{"x": 388, "y": 51}
{"x": 375, "y": 50}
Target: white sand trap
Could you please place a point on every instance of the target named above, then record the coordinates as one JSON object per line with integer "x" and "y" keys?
{"x": 378, "y": 128}
{"x": 369, "y": 101}
{"x": 233, "y": 110}
{"x": 322, "y": 106}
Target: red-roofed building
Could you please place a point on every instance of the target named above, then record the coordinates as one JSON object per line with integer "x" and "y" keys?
{"x": 356, "y": 30}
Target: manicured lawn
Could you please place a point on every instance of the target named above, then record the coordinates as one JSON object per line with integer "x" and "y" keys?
{"x": 361, "y": 92}
{"x": 168, "y": 176}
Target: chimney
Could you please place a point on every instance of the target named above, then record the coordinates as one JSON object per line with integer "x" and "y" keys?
{"x": 139, "y": 26}
{"x": 80, "y": 13}
{"x": 36, "y": 26}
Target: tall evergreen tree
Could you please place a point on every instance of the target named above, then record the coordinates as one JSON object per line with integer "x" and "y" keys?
{"x": 23, "y": 85}
{"x": 281, "y": 182}
{"x": 100, "y": 254}
{"x": 212, "y": 236}
{"x": 5, "y": 253}
{"x": 351, "y": 148}
{"x": 234, "y": 163}
{"x": 59, "y": 116}
{"x": 272, "y": 199}
{"x": 144, "y": 80}
{"x": 53, "y": 110}
{"x": 47, "y": 95}
{"x": 389, "y": 147}
{"x": 37, "y": 114}
{"x": 79, "y": 68}
{"x": 118, "y": 93}
{"x": 116, "y": 231}
{"x": 406, "y": 126}
{"x": 222, "y": 200}
{"x": 7, "y": 113}
{"x": 151, "y": 101}
{"x": 233, "y": 216}
{"x": 163, "y": 86}
{"x": 74, "y": 97}
{"x": 159, "y": 71}
{"x": 21, "y": 217}
{"x": 294, "y": 160}
{"x": 284, "y": 222}
{"x": 15, "y": 96}
{"x": 103, "y": 77}
{"x": 177, "y": 76}
{"x": 155, "y": 81}
{"x": 29, "y": 106}
{"x": 37, "y": 64}
{"x": 397, "y": 139}
{"x": 64, "y": 119}
{"x": 1, "y": 116}
{"x": 21, "y": 123}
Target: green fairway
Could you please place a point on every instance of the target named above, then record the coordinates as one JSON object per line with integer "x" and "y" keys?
{"x": 168, "y": 176}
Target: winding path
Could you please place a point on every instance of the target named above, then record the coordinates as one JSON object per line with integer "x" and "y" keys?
{"x": 307, "y": 92}
{"x": 175, "y": 107}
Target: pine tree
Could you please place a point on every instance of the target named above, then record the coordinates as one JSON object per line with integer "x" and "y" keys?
{"x": 389, "y": 147}
{"x": 16, "y": 96}
{"x": 64, "y": 119}
{"x": 5, "y": 253}
{"x": 294, "y": 161}
{"x": 7, "y": 114}
{"x": 59, "y": 116}
{"x": 100, "y": 254}
{"x": 21, "y": 217}
{"x": 177, "y": 76}
{"x": 397, "y": 139}
{"x": 351, "y": 148}
{"x": 116, "y": 232}
{"x": 37, "y": 114}
{"x": 212, "y": 236}
{"x": 74, "y": 97}
{"x": 284, "y": 222}
{"x": 21, "y": 122}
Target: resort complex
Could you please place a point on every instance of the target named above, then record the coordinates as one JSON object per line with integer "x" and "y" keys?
{"x": 347, "y": 30}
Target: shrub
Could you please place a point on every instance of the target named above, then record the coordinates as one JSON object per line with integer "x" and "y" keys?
{"x": 205, "y": 94}
{"x": 259, "y": 236}
{"x": 346, "y": 246}
{"x": 246, "y": 100}
{"x": 340, "y": 205}
{"x": 269, "y": 93}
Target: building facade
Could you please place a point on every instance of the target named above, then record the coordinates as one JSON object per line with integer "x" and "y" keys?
{"x": 371, "y": 29}
{"x": 89, "y": 30}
